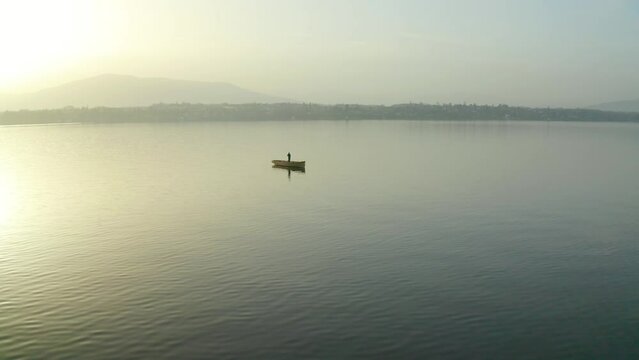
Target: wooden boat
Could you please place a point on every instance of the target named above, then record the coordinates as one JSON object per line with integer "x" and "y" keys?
{"x": 290, "y": 164}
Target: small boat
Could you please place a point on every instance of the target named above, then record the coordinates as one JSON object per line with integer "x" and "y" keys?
{"x": 290, "y": 164}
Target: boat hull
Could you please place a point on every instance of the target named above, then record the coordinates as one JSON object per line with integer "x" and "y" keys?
{"x": 289, "y": 164}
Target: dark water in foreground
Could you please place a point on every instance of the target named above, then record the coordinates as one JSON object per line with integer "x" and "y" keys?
{"x": 402, "y": 239}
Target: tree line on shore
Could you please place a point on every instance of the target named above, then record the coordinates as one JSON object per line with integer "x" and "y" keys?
{"x": 306, "y": 111}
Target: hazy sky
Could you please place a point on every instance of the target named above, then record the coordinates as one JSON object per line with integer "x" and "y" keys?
{"x": 543, "y": 52}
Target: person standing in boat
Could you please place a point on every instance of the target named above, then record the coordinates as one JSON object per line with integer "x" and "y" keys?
{"x": 289, "y": 157}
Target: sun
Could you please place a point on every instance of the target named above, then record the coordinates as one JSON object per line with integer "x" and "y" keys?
{"x": 39, "y": 36}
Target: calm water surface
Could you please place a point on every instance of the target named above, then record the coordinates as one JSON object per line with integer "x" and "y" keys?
{"x": 484, "y": 240}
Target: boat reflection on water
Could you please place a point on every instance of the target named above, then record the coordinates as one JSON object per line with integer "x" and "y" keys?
{"x": 290, "y": 169}
{"x": 302, "y": 170}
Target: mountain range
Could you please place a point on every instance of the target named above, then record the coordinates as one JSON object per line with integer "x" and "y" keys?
{"x": 112, "y": 90}
{"x": 623, "y": 106}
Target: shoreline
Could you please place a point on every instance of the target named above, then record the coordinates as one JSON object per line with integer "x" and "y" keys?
{"x": 308, "y": 112}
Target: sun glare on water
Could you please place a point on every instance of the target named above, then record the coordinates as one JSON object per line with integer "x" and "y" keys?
{"x": 7, "y": 199}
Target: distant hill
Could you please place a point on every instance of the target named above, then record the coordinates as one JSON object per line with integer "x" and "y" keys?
{"x": 129, "y": 91}
{"x": 624, "y": 106}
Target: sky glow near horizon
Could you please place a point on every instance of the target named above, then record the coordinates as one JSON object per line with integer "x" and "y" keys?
{"x": 538, "y": 53}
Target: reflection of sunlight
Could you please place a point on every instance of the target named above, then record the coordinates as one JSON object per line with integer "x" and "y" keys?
{"x": 7, "y": 198}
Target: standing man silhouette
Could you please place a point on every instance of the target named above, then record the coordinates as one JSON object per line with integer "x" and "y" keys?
{"x": 289, "y": 157}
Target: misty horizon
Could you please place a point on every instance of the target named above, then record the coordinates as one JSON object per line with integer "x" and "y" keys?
{"x": 93, "y": 90}
{"x": 557, "y": 54}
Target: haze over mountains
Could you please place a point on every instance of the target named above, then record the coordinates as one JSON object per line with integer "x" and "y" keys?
{"x": 624, "y": 106}
{"x": 127, "y": 91}
{"x": 112, "y": 90}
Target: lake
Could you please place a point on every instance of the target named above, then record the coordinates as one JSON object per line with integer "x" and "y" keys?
{"x": 403, "y": 239}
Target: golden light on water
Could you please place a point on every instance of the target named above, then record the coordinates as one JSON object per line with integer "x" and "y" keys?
{"x": 7, "y": 198}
